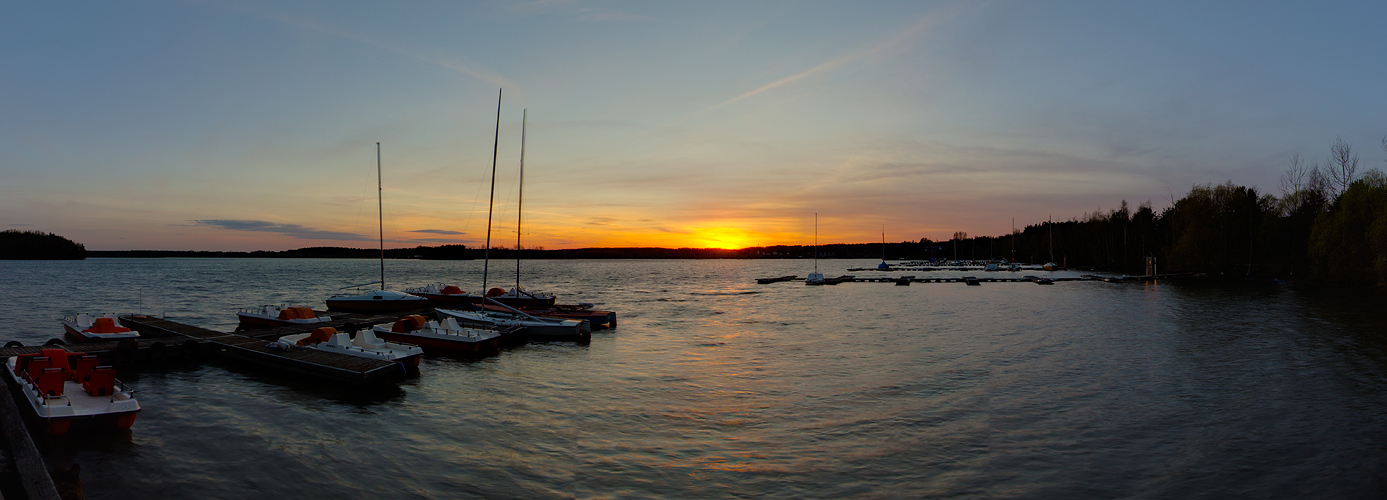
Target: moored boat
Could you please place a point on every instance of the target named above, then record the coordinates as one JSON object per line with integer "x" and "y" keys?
{"x": 452, "y": 295}
{"x": 584, "y": 312}
{"x": 270, "y": 315}
{"x": 532, "y": 327}
{"x": 63, "y": 386}
{"x": 365, "y": 345}
{"x": 434, "y": 336}
{"x": 86, "y": 328}
{"x": 382, "y": 300}
{"x": 377, "y": 301}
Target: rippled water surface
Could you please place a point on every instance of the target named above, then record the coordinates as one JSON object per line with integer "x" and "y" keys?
{"x": 715, "y": 387}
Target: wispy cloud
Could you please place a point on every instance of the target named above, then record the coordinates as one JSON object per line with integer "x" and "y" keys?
{"x": 294, "y": 230}
{"x": 598, "y": 14}
{"x": 900, "y": 38}
{"x": 20, "y": 225}
{"x": 437, "y": 231}
{"x": 431, "y": 55}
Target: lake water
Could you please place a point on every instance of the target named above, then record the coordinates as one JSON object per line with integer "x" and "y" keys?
{"x": 715, "y": 387}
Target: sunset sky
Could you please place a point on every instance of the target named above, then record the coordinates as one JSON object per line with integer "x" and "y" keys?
{"x": 247, "y": 125}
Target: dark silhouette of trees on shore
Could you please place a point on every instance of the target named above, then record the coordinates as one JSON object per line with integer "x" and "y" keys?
{"x": 1328, "y": 224}
{"x": 34, "y": 245}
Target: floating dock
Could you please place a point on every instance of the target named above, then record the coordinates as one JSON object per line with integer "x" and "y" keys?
{"x": 974, "y": 280}
{"x": 252, "y": 349}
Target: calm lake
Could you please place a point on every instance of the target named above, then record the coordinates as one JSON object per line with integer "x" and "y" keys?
{"x": 715, "y": 387}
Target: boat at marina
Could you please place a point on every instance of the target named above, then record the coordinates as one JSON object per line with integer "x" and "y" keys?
{"x": 63, "y": 386}
{"x": 595, "y": 318}
{"x": 446, "y": 295}
{"x": 766, "y": 281}
{"x": 439, "y": 336}
{"x": 365, "y": 345}
{"x": 377, "y": 301}
{"x": 87, "y": 328}
{"x": 271, "y": 315}
{"x": 532, "y": 327}
{"x": 382, "y": 300}
{"x": 816, "y": 278}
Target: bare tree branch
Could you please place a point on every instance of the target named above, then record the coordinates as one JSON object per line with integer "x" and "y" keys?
{"x": 1294, "y": 178}
{"x": 1342, "y": 165}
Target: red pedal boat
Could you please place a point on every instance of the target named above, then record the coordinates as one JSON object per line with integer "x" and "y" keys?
{"x": 62, "y": 386}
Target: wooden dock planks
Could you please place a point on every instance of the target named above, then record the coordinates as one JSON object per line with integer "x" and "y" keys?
{"x": 339, "y": 367}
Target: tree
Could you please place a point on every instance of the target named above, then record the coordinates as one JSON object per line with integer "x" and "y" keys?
{"x": 1342, "y": 165}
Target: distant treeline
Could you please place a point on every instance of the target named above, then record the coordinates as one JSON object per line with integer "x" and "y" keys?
{"x": 1329, "y": 224}
{"x": 34, "y": 245}
{"x": 421, "y": 252}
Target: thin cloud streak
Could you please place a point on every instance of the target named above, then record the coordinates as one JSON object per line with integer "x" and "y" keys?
{"x": 437, "y": 58}
{"x": 910, "y": 33}
{"x": 292, "y": 230}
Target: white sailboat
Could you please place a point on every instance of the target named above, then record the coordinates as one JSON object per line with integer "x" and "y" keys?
{"x": 1050, "y": 266}
{"x": 377, "y": 300}
{"x": 532, "y": 327}
{"x": 815, "y": 278}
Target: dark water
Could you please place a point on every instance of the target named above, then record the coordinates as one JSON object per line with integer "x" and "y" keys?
{"x": 715, "y": 387}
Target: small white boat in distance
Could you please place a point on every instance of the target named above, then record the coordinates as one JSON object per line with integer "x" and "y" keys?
{"x": 62, "y": 386}
{"x": 365, "y": 345}
{"x": 85, "y": 328}
{"x": 814, "y": 279}
{"x": 446, "y": 336}
{"x": 272, "y": 315}
{"x": 532, "y": 327}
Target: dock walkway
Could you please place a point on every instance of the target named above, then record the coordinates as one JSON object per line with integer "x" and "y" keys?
{"x": 339, "y": 367}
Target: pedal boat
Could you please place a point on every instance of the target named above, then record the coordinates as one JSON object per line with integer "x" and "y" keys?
{"x": 86, "y": 328}
{"x": 63, "y": 386}
{"x": 445, "y": 337}
{"x": 270, "y": 315}
{"x": 365, "y": 345}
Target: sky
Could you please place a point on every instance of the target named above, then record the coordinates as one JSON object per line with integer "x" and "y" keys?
{"x": 252, "y": 125}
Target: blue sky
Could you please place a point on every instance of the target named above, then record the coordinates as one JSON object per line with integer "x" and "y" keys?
{"x": 252, "y": 125}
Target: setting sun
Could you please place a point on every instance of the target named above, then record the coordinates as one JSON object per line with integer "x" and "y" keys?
{"x": 729, "y": 238}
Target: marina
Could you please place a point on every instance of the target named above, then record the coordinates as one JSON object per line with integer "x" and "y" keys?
{"x": 716, "y": 387}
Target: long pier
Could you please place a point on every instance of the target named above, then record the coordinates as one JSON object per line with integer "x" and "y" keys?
{"x": 974, "y": 280}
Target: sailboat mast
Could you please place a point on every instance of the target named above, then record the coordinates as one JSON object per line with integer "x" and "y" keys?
{"x": 816, "y": 242}
{"x": 1052, "y": 238}
{"x": 520, "y": 201}
{"x": 496, "y": 143}
{"x": 380, "y": 212}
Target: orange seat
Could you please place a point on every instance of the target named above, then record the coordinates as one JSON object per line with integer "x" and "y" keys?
{"x": 106, "y": 325}
{"x": 58, "y": 356}
{"x": 408, "y": 324}
{"x": 36, "y": 365}
{"x": 319, "y": 335}
{"x": 50, "y": 382}
{"x": 82, "y": 368}
{"x": 21, "y": 364}
{"x": 102, "y": 382}
{"x": 451, "y": 290}
{"x": 495, "y": 292}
